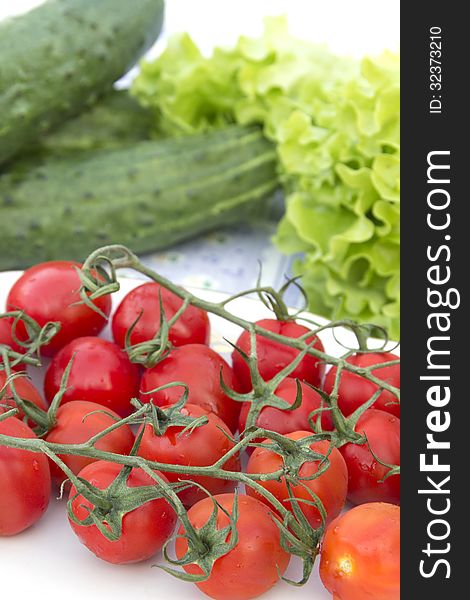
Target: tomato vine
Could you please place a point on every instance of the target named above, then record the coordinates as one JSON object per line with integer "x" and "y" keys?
{"x": 98, "y": 278}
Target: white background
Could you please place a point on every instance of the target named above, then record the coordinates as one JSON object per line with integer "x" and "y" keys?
{"x": 47, "y": 560}
{"x": 351, "y": 27}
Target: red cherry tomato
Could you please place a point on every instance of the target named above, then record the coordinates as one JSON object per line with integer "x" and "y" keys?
{"x": 354, "y": 390}
{"x": 6, "y": 336}
{"x": 50, "y": 292}
{"x": 360, "y": 556}
{"x": 365, "y": 473}
{"x": 199, "y": 367}
{"x": 192, "y": 327}
{"x": 76, "y": 423}
{"x": 286, "y": 421}
{"x": 25, "y": 481}
{"x": 200, "y": 448}
{"x": 255, "y": 564}
{"x": 274, "y": 356}
{"x": 25, "y": 390}
{"x": 144, "y": 529}
{"x": 331, "y": 486}
{"x": 101, "y": 372}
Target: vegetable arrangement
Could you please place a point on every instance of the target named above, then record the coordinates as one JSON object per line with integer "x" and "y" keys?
{"x": 335, "y": 123}
{"x": 137, "y": 467}
{"x": 332, "y": 125}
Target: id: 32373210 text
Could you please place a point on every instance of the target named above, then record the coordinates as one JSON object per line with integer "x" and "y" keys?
{"x": 435, "y": 70}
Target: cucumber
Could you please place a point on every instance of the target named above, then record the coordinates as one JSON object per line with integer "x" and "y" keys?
{"x": 147, "y": 196}
{"x": 115, "y": 121}
{"x": 60, "y": 57}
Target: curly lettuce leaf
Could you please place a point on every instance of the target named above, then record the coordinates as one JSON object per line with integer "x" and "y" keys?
{"x": 335, "y": 122}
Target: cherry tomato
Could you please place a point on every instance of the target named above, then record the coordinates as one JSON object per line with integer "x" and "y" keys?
{"x": 101, "y": 372}
{"x": 255, "y": 564}
{"x": 6, "y": 336}
{"x": 360, "y": 556}
{"x": 144, "y": 529}
{"x": 50, "y": 292}
{"x": 25, "y": 481}
{"x": 192, "y": 327}
{"x": 365, "y": 473}
{"x": 331, "y": 486}
{"x": 286, "y": 421}
{"x": 274, "y": 356}
{"x": 200, "y": 448}
{"x": 76, "y": 423}
{"x": 199, "y": 367}
{"x": 354, "y": 390}
{"x": 25, "y": 390}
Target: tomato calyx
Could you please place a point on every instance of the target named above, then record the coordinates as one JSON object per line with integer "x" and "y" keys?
{"x": 344, "y": 427}
{"x": 96, "y": 281}
{"x": 262, "y": 395}
{"x": 305, "y": 545}
{"x": 110, "y": 505}
{"x": 274, "y": 299}
{"x": 151, "y": 352}
{"x": 100, "y": 281}
{"x": 162, "y": 419}
{"x": 297, "y": 452}
{"x": 205, "y": 544}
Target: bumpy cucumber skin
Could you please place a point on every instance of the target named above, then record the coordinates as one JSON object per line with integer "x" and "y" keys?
{"x": 148, "y": 196}
{"x": 115, "y": 121}
{"x": 60, "y": 57}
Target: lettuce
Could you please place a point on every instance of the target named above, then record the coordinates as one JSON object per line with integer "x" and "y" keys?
{"x": 336, "y": 125}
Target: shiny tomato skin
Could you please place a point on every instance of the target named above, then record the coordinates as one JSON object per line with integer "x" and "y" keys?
{"x": 199, "y": 367}
{"x": 49, "y": 292}
{"x": 331, "y": 486}
{"x": 360, "y": 554}
{"x": 200, "y": 448}
{"x": 101, "y": 372}
{"x": 286, "y": 421}
{"x": 25, "y": 481}
{"x": 274, "y": 356}
{"x": 26, "y": 390}
{"x": 250, "y": 568}
{"x": 192, "y": 327}
{"x": 75, "y": 424}
{"x": 144, "y": 530}
{"x": 354, "y": 390}
{"x": 383, "y": 432}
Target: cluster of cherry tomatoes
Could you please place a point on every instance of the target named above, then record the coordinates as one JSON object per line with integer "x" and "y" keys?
{"x": 359, "y": 555}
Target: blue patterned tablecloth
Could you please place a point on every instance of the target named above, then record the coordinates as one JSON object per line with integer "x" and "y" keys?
{"x": 227, "y": 261}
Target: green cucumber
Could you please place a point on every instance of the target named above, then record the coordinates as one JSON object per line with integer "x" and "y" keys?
{"x": 60, "y": 57}
{"x": 147, "y": 196}
{"x": 115, "y": 121}
{"x": 59, "y": 180}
